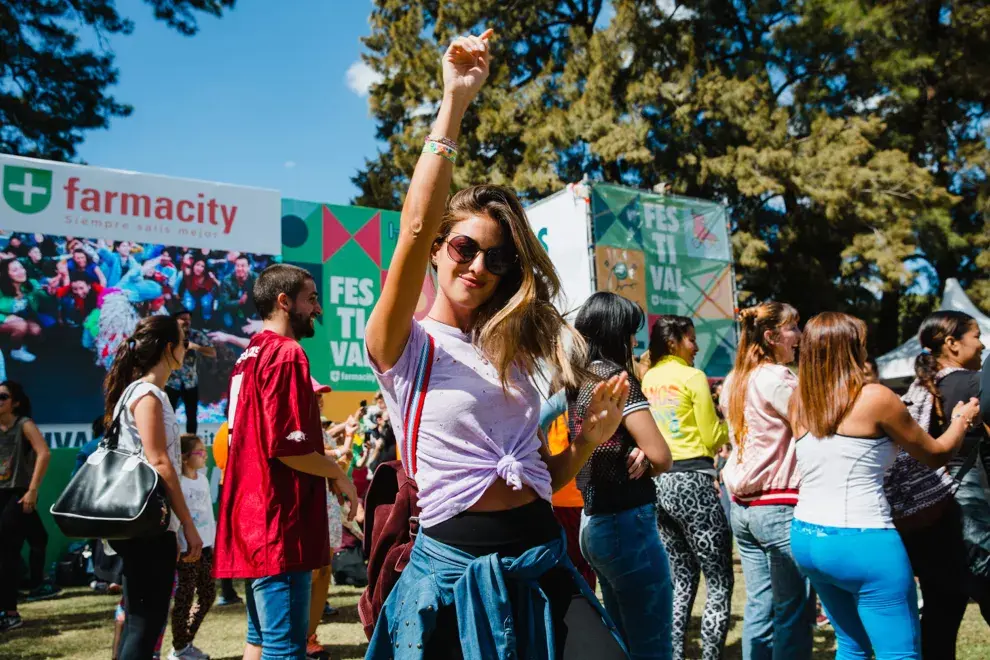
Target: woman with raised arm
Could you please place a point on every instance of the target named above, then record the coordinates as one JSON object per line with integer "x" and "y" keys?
{"x": 843, "y": 538}
{"x": 489, "y": 575}
{"x": 938, "y": 511}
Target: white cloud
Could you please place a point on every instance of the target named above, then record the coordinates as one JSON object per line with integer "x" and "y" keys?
{"x": 289, "y": 164}
{"x": 360, "y": 78}
{"x": 425, "y": 109}
{"x": 673, "y": 10}
{"x": 626, "y": 57}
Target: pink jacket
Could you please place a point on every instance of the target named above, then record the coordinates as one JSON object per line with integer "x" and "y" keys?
{"x": 762, "y": 468}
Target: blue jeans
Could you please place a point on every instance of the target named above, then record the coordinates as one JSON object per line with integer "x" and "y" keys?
{"x": 278, "y": 614}
{"x": 780, "y": 608}
{"x": 634, "y": 572}
{"x": 204, "y": 301}
{"x": 865, "y": 581}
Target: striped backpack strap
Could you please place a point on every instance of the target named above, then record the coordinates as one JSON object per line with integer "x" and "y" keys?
{"x": 413, "y": 409}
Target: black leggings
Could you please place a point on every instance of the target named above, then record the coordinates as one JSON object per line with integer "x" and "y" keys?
{"x": 189, "y": 396}
{"x": 578, "y": 628}
{"x": 13, "y": 522}
{"x": 37, "y": 540}
{"x": 149, "y": 573}
{"x": 939, "y": 558}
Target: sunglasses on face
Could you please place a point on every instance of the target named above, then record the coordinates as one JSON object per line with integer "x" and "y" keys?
{"x": 463, "y": 249}
{"x": 4, "y": 396}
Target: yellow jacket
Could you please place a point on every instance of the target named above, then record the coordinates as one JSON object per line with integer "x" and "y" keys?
{"x": 682, "y": 406}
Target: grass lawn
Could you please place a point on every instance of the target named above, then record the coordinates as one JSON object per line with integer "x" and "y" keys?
{"x": 79, "y": 626}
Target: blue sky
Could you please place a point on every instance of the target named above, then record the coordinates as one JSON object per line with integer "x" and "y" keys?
{"x": 269, "y": 96}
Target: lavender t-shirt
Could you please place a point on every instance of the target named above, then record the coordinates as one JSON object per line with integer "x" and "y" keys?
{"x": 466, "y": 431}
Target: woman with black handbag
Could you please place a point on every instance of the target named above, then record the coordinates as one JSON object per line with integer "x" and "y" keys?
{"x": 135, "y": 389}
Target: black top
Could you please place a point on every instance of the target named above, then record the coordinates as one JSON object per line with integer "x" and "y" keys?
{"x": 955, "y": 387}
{"x": 604, "y": 480}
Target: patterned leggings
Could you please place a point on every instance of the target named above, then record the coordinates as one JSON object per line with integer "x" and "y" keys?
{"x": 194, "y": 580}
{"x": 697, "y": 537}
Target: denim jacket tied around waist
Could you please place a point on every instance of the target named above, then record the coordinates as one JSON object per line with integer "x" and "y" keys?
{"x": 439, "y": 575}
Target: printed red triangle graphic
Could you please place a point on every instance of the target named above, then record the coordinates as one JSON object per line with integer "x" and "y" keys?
{"x": 334, "y": 234}
{"x": 370, "y": 238}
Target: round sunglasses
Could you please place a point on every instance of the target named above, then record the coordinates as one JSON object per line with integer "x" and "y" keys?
{"x": 498, "y": 260}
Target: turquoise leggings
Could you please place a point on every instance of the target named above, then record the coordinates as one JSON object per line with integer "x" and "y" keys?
{"x": 864, "y": 580}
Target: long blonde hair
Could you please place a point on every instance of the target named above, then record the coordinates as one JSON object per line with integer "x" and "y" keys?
{"x": 754, "y": 350}
{"x": 519, "y": 326}
{"x": 832, "y": 371}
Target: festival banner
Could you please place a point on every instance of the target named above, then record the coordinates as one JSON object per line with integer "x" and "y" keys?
{"x": 672, "y": 256}
{"x": 348, "y": 249}
{"x": 47, "y": 197}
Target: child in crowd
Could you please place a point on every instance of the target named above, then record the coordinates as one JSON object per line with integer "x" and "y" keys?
{"x": 194, "y": 578}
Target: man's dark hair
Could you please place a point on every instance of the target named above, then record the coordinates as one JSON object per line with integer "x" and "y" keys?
{"x": 79, "y": 276}
{"x": 276, "y": 279}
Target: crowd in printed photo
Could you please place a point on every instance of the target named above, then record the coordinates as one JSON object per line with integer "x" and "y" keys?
{"x": 65, "y": 300}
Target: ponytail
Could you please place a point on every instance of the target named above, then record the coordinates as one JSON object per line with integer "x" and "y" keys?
{"x": 137, "y": 355}
{"x": 753, "y": 351}
{"x": 667, "y": 329}
{"x": 932, "y": 334}
{"x": 925, "y": 370}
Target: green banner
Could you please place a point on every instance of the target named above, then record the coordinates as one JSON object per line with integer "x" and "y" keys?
{"x": 672, "y": 256}
{"x": 348, "y": 249}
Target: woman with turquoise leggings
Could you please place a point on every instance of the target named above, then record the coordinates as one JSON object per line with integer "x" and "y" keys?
{"x": 843, "y": 536}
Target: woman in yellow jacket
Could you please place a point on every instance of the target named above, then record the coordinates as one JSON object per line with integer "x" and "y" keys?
{"x": 690, "y": 515}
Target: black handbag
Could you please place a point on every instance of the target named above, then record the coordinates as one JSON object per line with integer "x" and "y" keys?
{"x": 116, "y": 494}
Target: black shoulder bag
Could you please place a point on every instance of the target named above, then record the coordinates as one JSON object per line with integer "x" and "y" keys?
{"x": 116, "y": 494}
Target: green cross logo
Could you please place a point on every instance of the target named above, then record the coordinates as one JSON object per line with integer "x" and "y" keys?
{"x": 27, "y": 190}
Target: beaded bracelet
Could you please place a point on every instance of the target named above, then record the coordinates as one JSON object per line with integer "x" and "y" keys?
{"x": 442, "y": 140}
{"x": 440, "y": 149}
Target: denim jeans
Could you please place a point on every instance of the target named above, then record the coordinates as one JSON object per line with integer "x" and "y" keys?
{"x": 780, "y": 607}
{"x": 864, "y": 579}
{"x": 634, "y": 572}
{"x": 278, "y": 614}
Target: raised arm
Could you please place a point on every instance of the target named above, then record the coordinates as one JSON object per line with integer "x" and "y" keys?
{"x": 896, "y": 422}
{"x": 602, "y": 418}
{"x": 465, "y": 68}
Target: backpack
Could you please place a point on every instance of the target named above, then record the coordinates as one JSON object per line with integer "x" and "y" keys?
{"x": 390, "y": 526}
{"x": 391, "y": 518}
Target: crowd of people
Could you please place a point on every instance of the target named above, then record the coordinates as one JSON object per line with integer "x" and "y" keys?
{"x": 841, "y": 491}
{"x": 93, "y": 292}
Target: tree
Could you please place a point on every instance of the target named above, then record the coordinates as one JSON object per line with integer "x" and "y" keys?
{"x": 52, "y": 88}
{"x": 850, "y": 159}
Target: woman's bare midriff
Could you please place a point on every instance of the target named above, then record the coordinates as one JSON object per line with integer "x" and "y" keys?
{"x": 501, "y": 497}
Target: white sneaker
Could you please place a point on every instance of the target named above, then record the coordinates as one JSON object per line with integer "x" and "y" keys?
{"x": 195, "y": 652}
{"x": 23, "y": 355}
{"x": 182, "y": 654}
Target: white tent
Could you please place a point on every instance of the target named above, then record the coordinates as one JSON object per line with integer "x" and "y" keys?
{"x": 898, "y": 365}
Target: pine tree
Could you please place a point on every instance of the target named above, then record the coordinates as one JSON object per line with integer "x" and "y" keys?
{"x": 847, "y": 138}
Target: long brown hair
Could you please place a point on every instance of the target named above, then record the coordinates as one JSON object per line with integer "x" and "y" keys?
{"x": 519, "y": 325}
{"x": 137, "y": 355}
{"x": 933, "y": 333}
{"x": 831, "y": 371}
{"x": 754, "y": 350}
